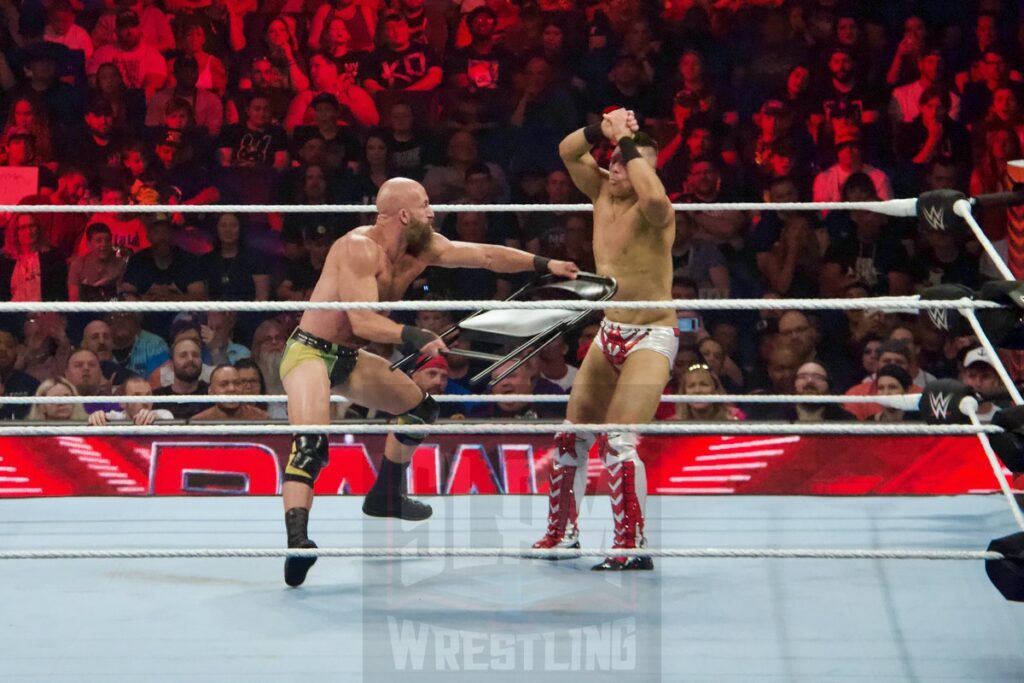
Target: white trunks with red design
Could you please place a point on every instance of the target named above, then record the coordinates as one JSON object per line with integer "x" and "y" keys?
{"x": 616, "y": 341}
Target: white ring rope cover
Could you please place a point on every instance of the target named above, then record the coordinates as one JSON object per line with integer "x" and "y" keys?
{"x": 911, "y": 304}
{"x": 904, "y": 402}
{"x": 515, "y": 553}
{"x": 548, "y": 428}
{"x": 901, "y": 208}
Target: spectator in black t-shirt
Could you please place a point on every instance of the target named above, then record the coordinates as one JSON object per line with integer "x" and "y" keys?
{"x": 301, "y": 275}
{"x": 255, "y": 143}
{"x": 932, "y": 134}
{"x": 13, "y": 382}
{"x": 627, "y": 88}
{"x": 941, "y": 259}
{"x": 812, "y": 379}
{"x": 233, "y": 271}
{"x": 162, "y": 272}
{"x": 870, "y": 252}
{"x": 98, "y": 146}
{"x": 995, "y": 71}
{"x": 483, "y": 66}
{"x": 341, "y": 145}
{"x": 401, "y": 64}
{"x": 544, "y": 113}
{"x": 843, "y": 98}
{"x": 410, "y": 149}
{"x": 187, "y": 366}
{"x": 480, "y": 189}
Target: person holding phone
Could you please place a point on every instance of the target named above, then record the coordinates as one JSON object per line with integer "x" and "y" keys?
{"x": 628, "y": 365}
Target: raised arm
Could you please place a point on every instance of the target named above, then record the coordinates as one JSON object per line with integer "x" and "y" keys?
{"x": 451, "y": 254}
{"x": 640, "y": 160}
{"x": 575, "y": 153}
{"x": 355, "y": 260}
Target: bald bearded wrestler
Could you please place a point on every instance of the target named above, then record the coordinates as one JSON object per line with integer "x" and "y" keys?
{"x": 373, "y": 263}
{"x": 627, "y": 366}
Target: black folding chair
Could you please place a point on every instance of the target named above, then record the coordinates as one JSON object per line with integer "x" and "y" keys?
{"x": 526, "y": 331}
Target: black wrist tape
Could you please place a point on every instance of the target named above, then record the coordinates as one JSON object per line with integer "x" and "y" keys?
{"x": 629, "y": 150}
{"x": 414, "y": 338}
{"x": 540, "y": 264}
{"x": 593, "y": 134}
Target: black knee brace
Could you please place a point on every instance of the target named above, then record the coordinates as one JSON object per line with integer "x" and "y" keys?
{"x": 425, "y": 413}
{"x": 308, "y": 457}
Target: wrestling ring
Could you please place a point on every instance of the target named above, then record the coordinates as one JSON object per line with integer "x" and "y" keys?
{"x": 747, "y": 588}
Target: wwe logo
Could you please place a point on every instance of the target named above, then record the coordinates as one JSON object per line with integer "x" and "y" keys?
{"x": 939, "y": 318}
{"x": 935, "y": 217}
{"x": 939, "y": 404}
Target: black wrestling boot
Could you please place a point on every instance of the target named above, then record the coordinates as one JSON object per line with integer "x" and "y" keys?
{"x": 387, "y": 499}
{"x": 296, "y": 521}
{"x": 400, "y": 507}
{"x": 622, "y": 564}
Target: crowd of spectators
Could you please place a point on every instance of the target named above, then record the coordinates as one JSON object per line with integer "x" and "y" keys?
{"x": 200, "y": 102}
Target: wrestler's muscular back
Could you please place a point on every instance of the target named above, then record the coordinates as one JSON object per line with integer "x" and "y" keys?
{"x": 393, "y": 279}
{"x": 637, "y": 254}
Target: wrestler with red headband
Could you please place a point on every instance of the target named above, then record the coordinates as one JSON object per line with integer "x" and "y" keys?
{"x": 627, "y": 366}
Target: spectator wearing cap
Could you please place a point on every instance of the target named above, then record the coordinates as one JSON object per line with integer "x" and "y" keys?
{"x": 141, "y": 65}
{"x": 484, "y": 66}
{"x": 226, "y": 381}
{"x": 355, "y": 106}
{"x": 359, "y": 16}
{"x": 301, "y": 275}
{"x": 95, "y": 275}
{"x": 257, "y": 143}
{"x": 153, "y": 22}
{"x": 340, "y": 144}
{"x": 207, "y": 107}
{"x": 870, "y": 252}
{"x": 828, "y": 185}
{"x": 186, "y": 367}
{"x": 137, "y": 350}
{"x": 904, "y": 106}
{"x": 401, "y": 64}
{"x": 980, "y": 375}
{"x": 812, "y": 379}
{"x": 99, "y": 145}
{"x": 62, "y": 29}
{"x": 431, "y": 375}
{"x": 890, "y": 352}
{"x": 892, "y": 380}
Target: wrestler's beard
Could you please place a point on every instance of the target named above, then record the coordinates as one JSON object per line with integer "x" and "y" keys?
{"x": 270, "y": 365}
{"x": 418, "y": 235}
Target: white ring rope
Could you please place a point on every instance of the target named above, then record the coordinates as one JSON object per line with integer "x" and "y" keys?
{"x": 548, "y": 428}
{"x": 902, "y": 208}
{"x": 524, "y": 553}
{"x": 962, "y": 208}
{"x": 911, "y": 304}
{"x": 904, "y": 402}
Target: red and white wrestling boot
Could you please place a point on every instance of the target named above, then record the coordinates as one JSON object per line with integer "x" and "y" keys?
{"x": 563, "y": 531}
{"x": 628, "y": 490}
{"x": 567, "y": 486}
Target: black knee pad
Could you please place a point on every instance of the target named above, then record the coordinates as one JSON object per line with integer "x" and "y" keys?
{"x": 425, "y": 413}
{"x": 308, "y": 457}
